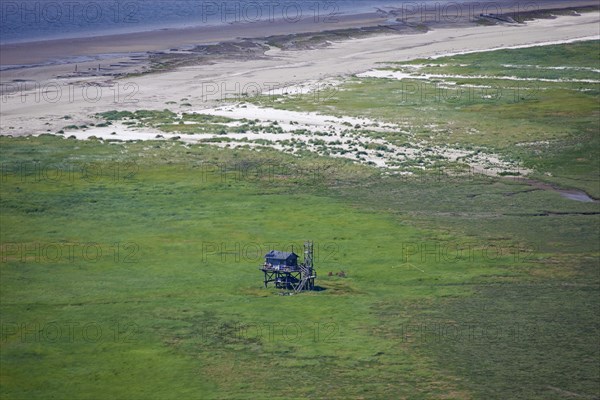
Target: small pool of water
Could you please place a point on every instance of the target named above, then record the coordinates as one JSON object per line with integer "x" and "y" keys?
{"x": 577, "y": 196}
{"x": 571, "y": 194}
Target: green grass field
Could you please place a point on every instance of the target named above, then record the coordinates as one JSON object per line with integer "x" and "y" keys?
{"x": 130, "y": 270}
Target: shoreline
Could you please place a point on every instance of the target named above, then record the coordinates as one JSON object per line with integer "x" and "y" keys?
{"x": 29, "y": 110}
{"x": 191, "y": 16}
{"x": 346, "y": 12}
{"x": 52, "y": 51}
{"x": 37, "y": 52}
{"x": 102, "y": 60}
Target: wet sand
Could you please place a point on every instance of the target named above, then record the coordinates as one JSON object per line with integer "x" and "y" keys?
{"x": 42, "y": 52}
{"x": 160, "y": 40}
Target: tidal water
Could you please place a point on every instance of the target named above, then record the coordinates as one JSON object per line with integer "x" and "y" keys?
{"x": 33, "y": 20}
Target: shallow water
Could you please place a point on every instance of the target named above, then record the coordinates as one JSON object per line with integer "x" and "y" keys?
{"x": 31, "y": 20}
{"x": 577, "y": 196}
{"x": 571, "y": 194}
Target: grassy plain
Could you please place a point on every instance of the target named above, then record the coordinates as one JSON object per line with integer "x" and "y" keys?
{"x": 130, "y": 270}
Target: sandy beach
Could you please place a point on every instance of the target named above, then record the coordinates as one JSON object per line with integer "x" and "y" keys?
{"x": 35, "y": 101}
